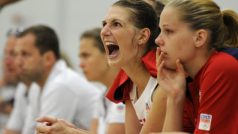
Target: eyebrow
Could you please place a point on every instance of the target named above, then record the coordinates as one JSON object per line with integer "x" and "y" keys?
{"x": 165, "y": 25}
{"x": 111, "y": 20}
{"x": 103, "y": 22}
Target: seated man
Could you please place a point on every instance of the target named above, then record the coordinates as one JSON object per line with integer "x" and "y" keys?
{"x": 63, "y": 93}
{"x": 9, "y": 79}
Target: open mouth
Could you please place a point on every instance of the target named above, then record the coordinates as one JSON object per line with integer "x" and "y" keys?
{"x": 113, "y": 50}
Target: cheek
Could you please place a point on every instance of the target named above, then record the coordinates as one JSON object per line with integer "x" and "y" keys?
{"x": 92, "y": 63}
{"x": 100, "y": 67}
{"x": 130, "y": 52}
{"x": 33, "y": 64}
{"x": 185, "y": 52}
{"x": 179, "y": 44}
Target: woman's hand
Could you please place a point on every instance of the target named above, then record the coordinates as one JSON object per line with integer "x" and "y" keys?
{"x": 172, "y": 81}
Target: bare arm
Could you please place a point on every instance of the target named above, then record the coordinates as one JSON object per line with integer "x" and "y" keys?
{"x": 156, "y": 116}
{"x": 132, "y": 123}
{"x": 174, "y": 115}
{"x": 115, "y": 128}
{"x": 174, "y": 84}
{"x": 94, "y": 126}
{"x": 9, "y": 131}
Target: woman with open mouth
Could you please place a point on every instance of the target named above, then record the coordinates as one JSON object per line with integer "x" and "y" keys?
{"x": 128, "y": 33}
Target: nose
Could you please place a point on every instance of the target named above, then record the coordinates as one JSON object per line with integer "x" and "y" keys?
{"x": 159, "y": 40}
{"x": 9, "y": 60}
{"x": 105, "y": 31}
{"x": 81, "y": 64}
{"x": 18, "y": 61}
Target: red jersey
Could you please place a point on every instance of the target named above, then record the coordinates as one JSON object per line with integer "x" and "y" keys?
{"x": 122, "y": 85}
{"x": 213, "y": 103}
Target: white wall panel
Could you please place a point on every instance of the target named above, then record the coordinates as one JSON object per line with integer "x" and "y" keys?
{"x": 68, "y": 17}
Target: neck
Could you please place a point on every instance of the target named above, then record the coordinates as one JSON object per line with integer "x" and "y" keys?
{"x": 198, "y": 62}
{"x": 108, "y": 78}
{"x": 44, "y": 77}
{"x": 138, "y": 74}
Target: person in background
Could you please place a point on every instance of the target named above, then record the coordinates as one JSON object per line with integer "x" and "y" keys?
{"x": 12, "y": 73}
{"x": 189, "y": 44}
{"x": 25, "y": 92}
{"x": 10, "y": 79}
{"x": 109, "y": 117}
{"x": 61, "y": 90}
{"x": 157, "y": 5}
{"x": 94, "y": 64}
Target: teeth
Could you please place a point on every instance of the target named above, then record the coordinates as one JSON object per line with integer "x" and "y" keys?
{"x": 110, "y": 43}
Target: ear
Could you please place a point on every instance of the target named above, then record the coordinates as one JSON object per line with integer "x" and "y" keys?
{"x": 201, "y": 37}
{"x": 144, "y": 36}
{"x": 49, "y": 59}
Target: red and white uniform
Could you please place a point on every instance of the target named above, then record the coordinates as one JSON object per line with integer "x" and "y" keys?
{"x": 122, "y": 88}
{"x": 142, "y": 104}
{"x": 212, "y": 106}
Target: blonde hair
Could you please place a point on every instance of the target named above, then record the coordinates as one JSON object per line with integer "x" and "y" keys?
{"x": 206, "y": 14}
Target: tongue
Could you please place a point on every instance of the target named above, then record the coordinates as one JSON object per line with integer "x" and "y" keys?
{"x": 114, "y": 54}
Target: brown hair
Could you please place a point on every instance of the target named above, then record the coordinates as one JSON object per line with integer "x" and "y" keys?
{"x": 143, "y": 15}
{"x": 206, "y": 14}
{"x": 95, "y": 35}
{"x": 46, "y": 39}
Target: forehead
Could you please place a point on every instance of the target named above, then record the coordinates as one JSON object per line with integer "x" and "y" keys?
{"x": 26, "y": 42}
{"x": 87, "y": 44}
{"x": 117, "y": 12}
{"x": 170, "y": 16}
{"x": 10, "y": 44}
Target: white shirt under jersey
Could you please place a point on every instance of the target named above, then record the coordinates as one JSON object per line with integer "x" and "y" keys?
{"x": 143, "y": 104}
{"x": 17, "y": 118}
{"x": 108, "y": 112}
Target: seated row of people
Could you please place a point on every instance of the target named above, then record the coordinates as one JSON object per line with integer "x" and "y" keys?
{"x": 187, "y": 84}
{"x": 47, "y": 87}
{"x": 178, "y": 86}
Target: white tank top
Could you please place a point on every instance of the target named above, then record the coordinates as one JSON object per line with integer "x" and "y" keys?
{"x": 142, "y": 104}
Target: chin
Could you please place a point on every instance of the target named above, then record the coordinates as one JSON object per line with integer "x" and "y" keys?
{"x": 170, "y": 66}
{"x": 89, "y": 78}
{"x": 114, "y": 63}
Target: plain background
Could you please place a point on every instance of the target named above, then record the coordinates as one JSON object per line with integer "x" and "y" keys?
{"x": 68, "y": 17}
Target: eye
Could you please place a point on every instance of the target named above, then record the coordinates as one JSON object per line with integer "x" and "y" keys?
{"x": 168, "y": 31}
{"x": 84, "y": 55}
{"x": 25, "y": 54}
{"x": 11, "y": 53}
{"x": 15, "y": 54}
{"x": 104, "y": 23}
{"x": 116, "y": 24}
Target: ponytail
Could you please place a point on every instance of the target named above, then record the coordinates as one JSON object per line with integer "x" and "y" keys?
{"x": 206, "y": 14}
{"x": 230, "y": 19}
